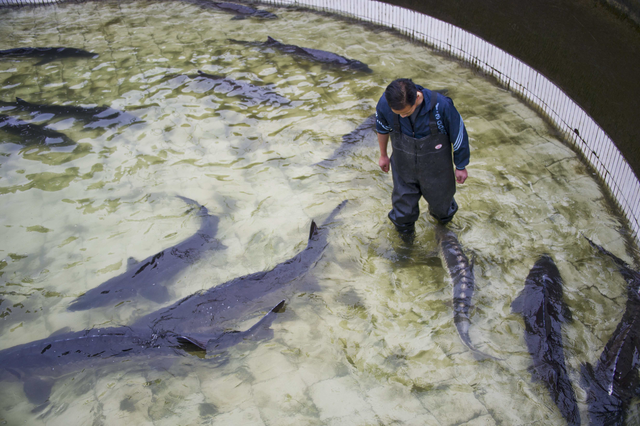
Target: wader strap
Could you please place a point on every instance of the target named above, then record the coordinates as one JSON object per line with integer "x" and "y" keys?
{"x": 433, "y": 126}
{"x": 396, "y": 124}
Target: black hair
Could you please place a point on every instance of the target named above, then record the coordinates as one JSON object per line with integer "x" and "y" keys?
{"x": 401, "y": 93}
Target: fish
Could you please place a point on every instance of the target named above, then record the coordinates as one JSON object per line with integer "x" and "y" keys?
{"x": 543, "y": 309}
{"x": 614, "y": 381}
{"x": 100, "y": 116}
{"x": 246, "y": 90}
{"x": 196, "y": 322}
{"x": 461, "y": 272}
{"x": 151, "y": 277}
{"x": 41, "y": 363}
{"x": 316, "y": 55}
{"x": 351, "y": 139}
{"x": 239, "y": 10}
{"x": 238, "y": 296}
{"x": 33, "y": 134}
{"x": 48, "y": 54}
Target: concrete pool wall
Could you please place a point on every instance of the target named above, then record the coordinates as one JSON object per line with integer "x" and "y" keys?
{"x": 575, "y": 126}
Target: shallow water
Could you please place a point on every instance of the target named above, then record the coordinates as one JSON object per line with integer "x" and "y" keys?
{"x": 367, "y": 336}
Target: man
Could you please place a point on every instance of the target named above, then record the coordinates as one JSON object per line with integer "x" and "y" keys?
{"x": 424, "y": 127}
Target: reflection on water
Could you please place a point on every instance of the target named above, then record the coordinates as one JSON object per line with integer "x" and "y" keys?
{"x": 376, "y": 343}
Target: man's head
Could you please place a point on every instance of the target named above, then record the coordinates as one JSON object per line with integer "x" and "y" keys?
{"x": 403, "y": 96}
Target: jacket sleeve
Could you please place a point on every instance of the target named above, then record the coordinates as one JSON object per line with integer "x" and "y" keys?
{"x": 382, "y": 125}
{"x": 457, "y": 134}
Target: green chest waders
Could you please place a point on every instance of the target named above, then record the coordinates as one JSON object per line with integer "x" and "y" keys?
{"x": 421, "y": 167}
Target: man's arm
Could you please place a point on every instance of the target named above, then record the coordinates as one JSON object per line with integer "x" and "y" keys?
{"x": 459, "y": 140}
{"x": 383, "y": 142}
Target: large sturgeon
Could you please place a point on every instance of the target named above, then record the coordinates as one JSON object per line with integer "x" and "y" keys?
{"x": 47, "y": 54}
{"x": 152, "y": 277}
{"x": 240, "y": 11}
{"x": 238, "y": 296}
{"x": 316, "y": 55}
{"x": 41, "y": 363}
{"x": 100, "y": 116}
{"x": 543, "y": 309}
{"x": 243, "y": 89}
{"x": 461, "y": 273}
{"x": 614, "y": 381}
{"x": 33, "y": 134}
{"x": 199, "y": 321}
{"x": 351, "y": 139}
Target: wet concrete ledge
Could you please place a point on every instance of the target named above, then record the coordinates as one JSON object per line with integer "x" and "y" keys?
{"x": 588, "y": 48}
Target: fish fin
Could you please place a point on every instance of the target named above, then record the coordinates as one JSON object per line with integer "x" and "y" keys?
{"x": 191, "y": 342}
{"x": 314, "y": 230}
{"x": 132, "y": 262}
{"x": 517, "y": 305}
{"x": 21, "y": 101}
{"x": 565, "y": 313}
{"x": 255, "y": 331}
{"x": 587, "y": 375}
{"x": 271, "y": 40}
{"x": 38, "y": 390}
{"x": 259, "y": 331}
{"x": 63, "y": 330}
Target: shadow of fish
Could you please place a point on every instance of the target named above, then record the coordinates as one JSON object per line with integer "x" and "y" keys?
{"x": 366, "y": 130}
{"x": 39, "y": 364}
{"x": 316, "y": 55}
{"x": 461, "y": 273}
{"x": 102, "y": 116}
{"x": 543, "y": 309}
{"x": 238, "y": 296}
{"x": 33, "y": 134}
{"x": 151, "y": 277}
{"x": 614, "y": 381}
{"x": 240, "y": 11}
{"x": 94, "y": 117}
{"x": 248, "y": 91}
{"x": 47, "y": 54}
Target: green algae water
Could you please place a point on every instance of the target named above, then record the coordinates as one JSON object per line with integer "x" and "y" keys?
{"x": 368, "y": 335}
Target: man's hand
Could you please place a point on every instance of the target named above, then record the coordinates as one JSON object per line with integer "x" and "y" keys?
{"x": 384, "y": 162}
{"x": 461, "y": 175}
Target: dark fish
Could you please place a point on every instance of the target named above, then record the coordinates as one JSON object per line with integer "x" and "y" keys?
{"x": 614, "y": 381}
{"x": 47, "y": 54}
{"x": 39, "y": 364}
{"x": 248, "y": 91}
{"x": 102, "y": 116}
{"x": 33, "y": 134}
{"x": 234, "y": 298}
{"x": 543, "y": 309}
{"x": 315, "y": 55}
{"x": 350, "y": 140}
{"x": 461, "y": 273}
{"x": 239, "y": 10}
{"x": 196, "y": 322}
{"x": 151, "y": 277}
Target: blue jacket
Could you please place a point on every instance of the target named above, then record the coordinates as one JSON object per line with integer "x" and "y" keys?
{"x": 451, "y": 124}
